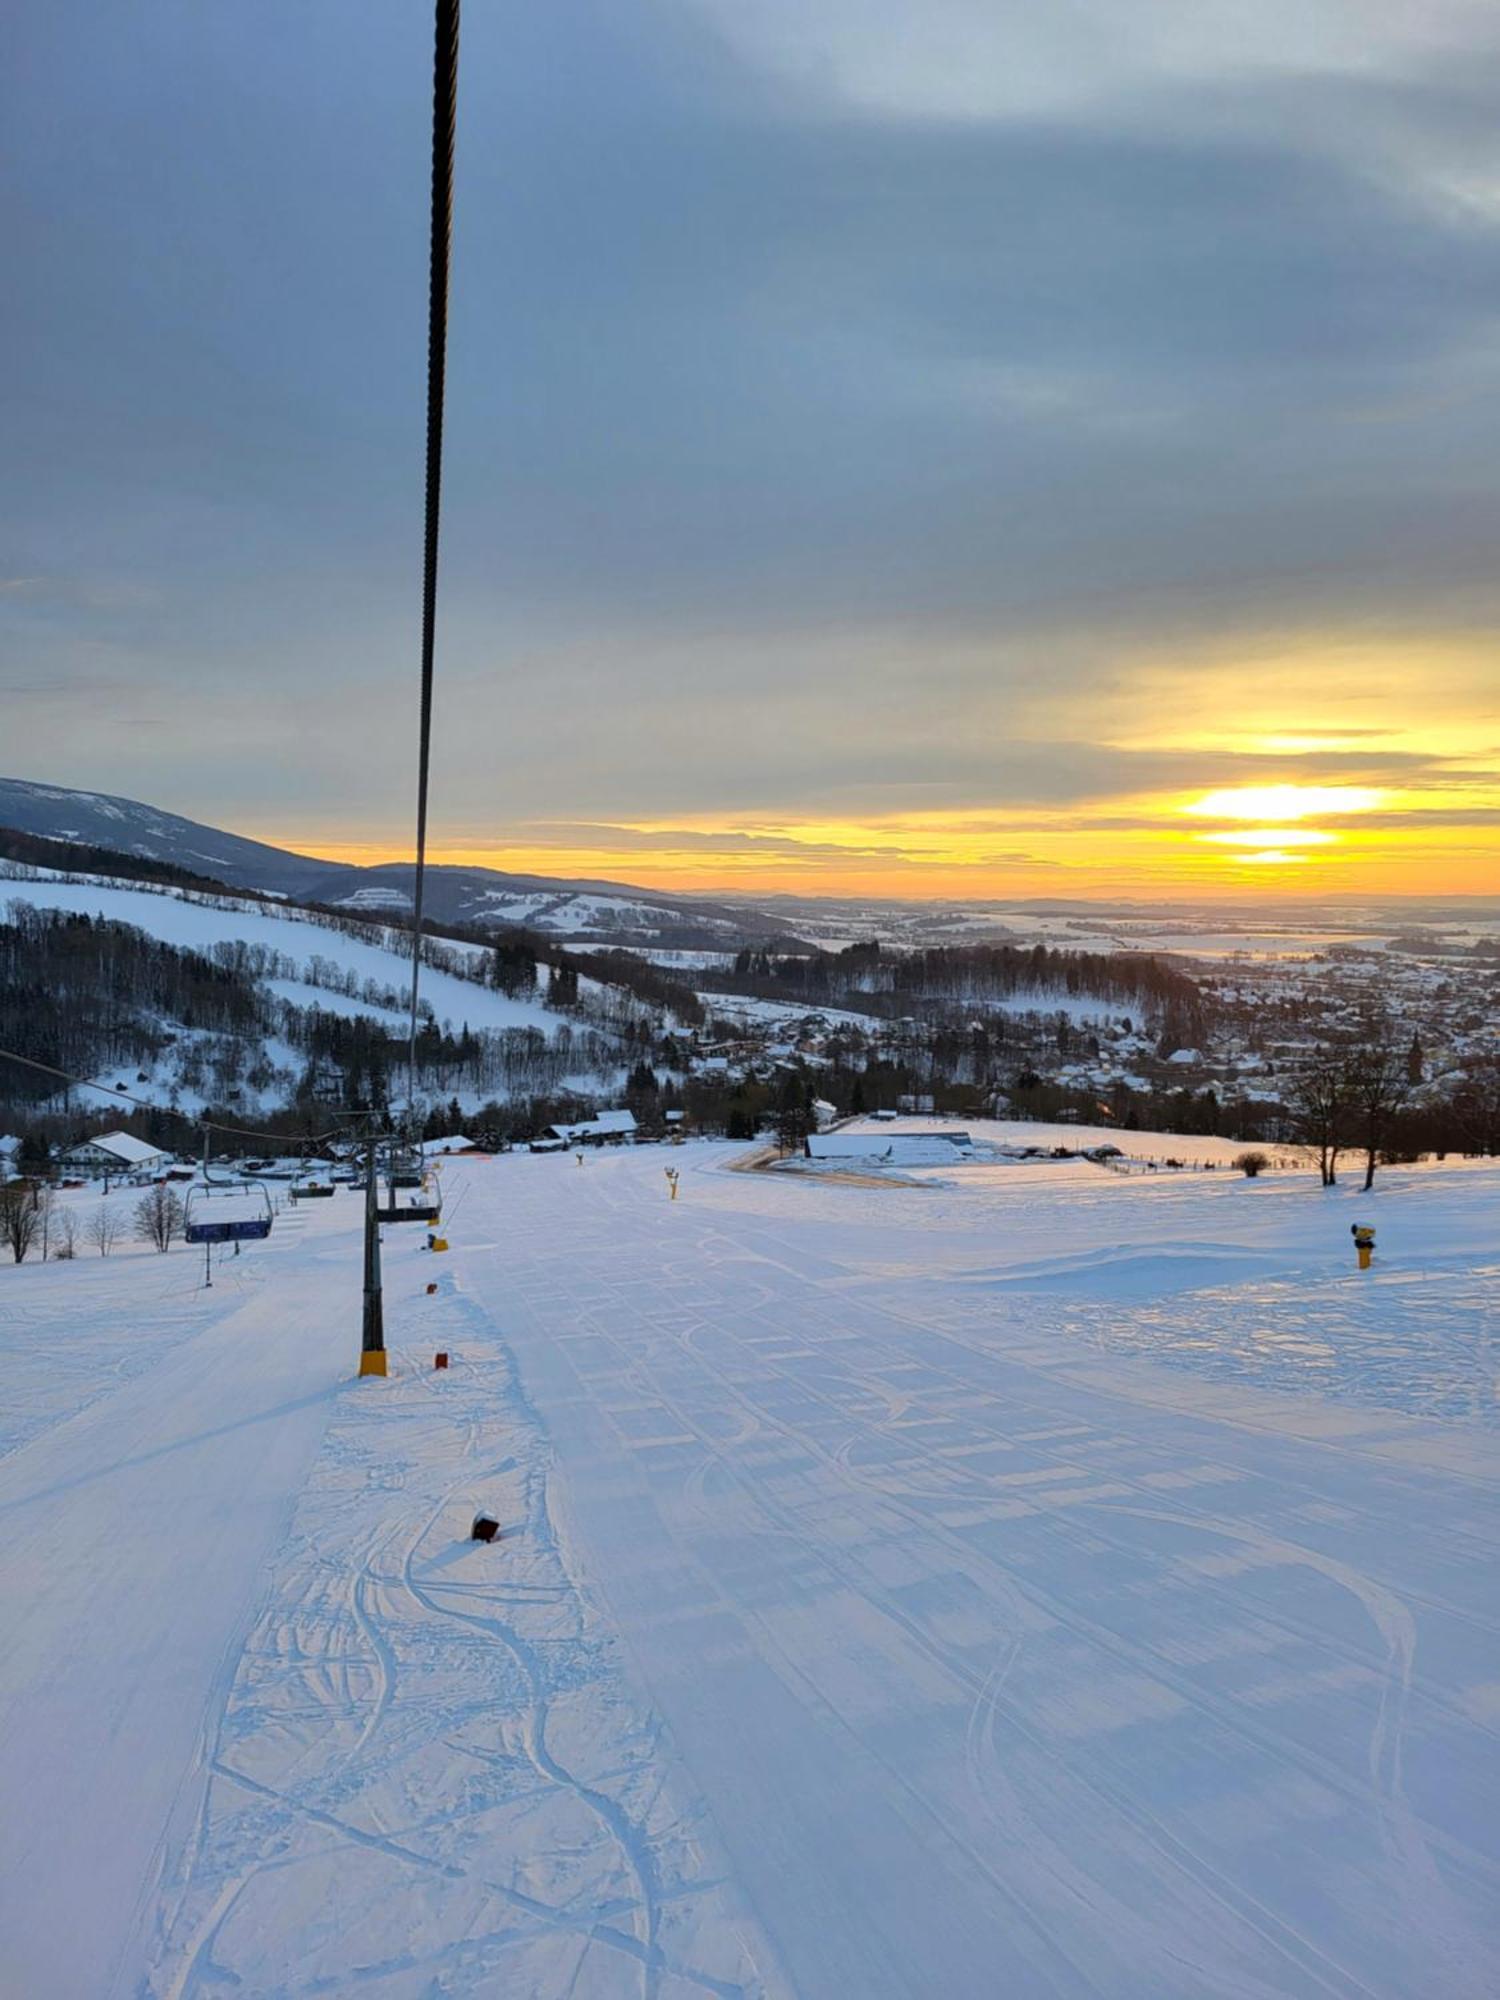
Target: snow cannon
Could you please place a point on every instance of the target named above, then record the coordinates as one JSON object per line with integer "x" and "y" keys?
{"x": 673, "y": 1176}
{"x": 1364, "y": 1242}
{"x": 485, "y": 1529}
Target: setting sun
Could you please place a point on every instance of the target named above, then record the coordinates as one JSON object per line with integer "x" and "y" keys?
{"x": 1285, "y": 802}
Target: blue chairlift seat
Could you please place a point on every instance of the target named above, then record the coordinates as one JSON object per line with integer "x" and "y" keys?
{"x": 227, "y": 1214}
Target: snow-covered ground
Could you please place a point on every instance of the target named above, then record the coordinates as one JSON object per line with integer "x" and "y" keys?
{"x": 781, "y": 1013}
{"x": 1016, "y": 1134}
{"x": 1035, "y": 1583}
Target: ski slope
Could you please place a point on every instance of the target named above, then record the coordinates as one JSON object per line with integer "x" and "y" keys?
{"x": 1044, "y": 1584}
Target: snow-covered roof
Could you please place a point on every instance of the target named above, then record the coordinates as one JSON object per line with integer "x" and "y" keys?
{"x": 607, "y": 1125}
{"x": 9, "y": 1143}
{"x": 1184, "y": 1056}
{"x": 125, "y": 1147}
{"x": 454, "y": 1143}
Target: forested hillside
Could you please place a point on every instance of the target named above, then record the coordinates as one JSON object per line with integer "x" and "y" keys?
{"x": 967, "y": 977}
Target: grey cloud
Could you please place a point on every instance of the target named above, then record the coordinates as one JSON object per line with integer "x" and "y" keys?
{"x": 726, "y": 358}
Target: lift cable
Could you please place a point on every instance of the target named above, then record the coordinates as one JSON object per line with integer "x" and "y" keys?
{"x": 444, "y": 103}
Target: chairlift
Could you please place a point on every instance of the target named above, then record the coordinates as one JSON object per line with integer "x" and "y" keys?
{"x": 408, "y": 1170}
{"x": 224, "y": 1211}
{"x": 405, "y": 1167}
{"x": 308, "y": 1187}
{"x": 227, "y": 1212}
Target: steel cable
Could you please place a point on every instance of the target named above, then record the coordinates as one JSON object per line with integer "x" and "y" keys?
{"x": 444, "y": 106}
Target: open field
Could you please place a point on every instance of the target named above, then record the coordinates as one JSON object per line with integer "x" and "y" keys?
{"x": 1034, "y": 1582}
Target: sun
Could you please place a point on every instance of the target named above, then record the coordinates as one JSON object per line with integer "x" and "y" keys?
{"x": 1274, "y": 804}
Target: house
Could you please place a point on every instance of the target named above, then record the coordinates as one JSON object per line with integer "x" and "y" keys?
{"x": 610, "y": 1128}
{"x": 454, "y": 1143}
{"x": 824, "y": 1114}
{"x": 114, "y": 1153}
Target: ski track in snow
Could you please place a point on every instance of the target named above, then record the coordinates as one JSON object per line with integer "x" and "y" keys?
{"x": 939, "y": 1442}
{"x": 454, "y": 1714}
{"x": 1052, "y": 1586}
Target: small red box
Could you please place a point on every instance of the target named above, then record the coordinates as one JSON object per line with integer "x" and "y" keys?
{"x": 440, "y": 1360}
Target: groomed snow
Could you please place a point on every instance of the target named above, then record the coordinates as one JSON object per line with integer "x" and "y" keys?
{"x": 1032, "y": 1584}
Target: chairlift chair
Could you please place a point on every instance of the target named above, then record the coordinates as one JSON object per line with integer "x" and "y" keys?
{"x": 227, "y": 1212}
{"x": 427, "y": 1208}
{"x": 308, "y": 1187}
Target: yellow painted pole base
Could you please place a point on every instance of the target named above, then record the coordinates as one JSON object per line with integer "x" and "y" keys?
{"x": 1365, "y": 1254}
{"x": 373, "y": 1363}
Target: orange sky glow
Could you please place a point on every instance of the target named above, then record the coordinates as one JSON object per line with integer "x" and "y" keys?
{"x": 1176, "y": 847}
{"x": 1369, "y": 768}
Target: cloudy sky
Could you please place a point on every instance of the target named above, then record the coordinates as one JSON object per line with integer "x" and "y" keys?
{"x": 958, "y": 447}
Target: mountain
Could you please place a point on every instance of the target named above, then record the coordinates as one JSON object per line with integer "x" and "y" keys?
{"x": 128, "y": 827}
{"x": 600, "y": 913}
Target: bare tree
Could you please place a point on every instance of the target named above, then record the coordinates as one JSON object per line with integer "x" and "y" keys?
{"x": 1318, "y": 1101}
{"x": 65, "y": 1242}
{"x": 158, "y": 1217}
{"x": 102, "y": 1228}
{"x": 1377, "y": 1083}
{"x": 23, "y": 1204}
{"x": 1476, "y": 1104}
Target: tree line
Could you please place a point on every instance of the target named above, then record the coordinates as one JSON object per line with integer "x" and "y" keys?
{"x": 873, "y": 978}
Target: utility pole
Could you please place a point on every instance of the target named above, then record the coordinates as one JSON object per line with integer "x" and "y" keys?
{"x": 372, "y": 1342}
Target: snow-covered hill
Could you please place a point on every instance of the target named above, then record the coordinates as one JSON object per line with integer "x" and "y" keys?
{"x": 199, "y": 922}
{"x": 303, "y": 962}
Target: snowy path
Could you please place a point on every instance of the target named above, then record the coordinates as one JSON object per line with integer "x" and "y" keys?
{"x": 429, "y": 1774}
{"x": 1003, "y": 1669}
{"x": 136, "y": 1536}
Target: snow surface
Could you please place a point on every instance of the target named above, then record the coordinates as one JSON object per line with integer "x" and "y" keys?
{"x": 1042, "y": 1584}
{"x": 783, "y": 1013}
{"x": 1080, "y": 1007}
{"x": 1017, "y": 1133}
{"x": 574, "y": 910}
